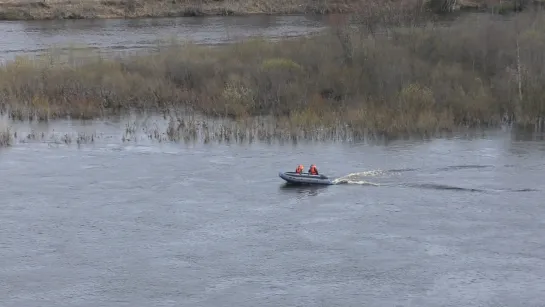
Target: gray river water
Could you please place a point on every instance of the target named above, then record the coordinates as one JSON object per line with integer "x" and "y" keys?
{"x": 32, "y": 37}
{"x": 448, "y": 222}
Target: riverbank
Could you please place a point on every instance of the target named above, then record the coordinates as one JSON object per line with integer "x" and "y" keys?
{"x": 105, "y": 9}
{"x": 410, "y": 80}
{"x": 102, "y": 9}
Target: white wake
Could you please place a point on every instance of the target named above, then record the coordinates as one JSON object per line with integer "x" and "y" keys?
{"x": 357, "y": 178}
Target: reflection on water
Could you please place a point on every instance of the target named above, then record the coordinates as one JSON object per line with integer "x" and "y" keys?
{"x": 310, "y": 190}
{"x": 527, "y": 134}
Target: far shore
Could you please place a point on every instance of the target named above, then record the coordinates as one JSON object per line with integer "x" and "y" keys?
{"x": 116, "y": 9}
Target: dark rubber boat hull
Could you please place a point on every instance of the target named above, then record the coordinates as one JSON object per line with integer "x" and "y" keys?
{"x": 306, "y": 179}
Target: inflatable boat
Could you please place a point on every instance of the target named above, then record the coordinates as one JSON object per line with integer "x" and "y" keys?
{"x": 304, "y": 178}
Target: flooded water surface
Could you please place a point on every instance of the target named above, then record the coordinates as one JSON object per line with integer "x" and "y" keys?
{"x": 107, "y": 36}
{"x": 448, "y": 222}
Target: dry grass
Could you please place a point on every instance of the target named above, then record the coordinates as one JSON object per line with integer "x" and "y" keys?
{"x": 6, "y": 137}
{"x": 78, "y": 9}
{"x": 478, "y": 72}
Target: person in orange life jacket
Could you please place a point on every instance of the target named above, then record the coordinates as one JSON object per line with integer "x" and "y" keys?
{"x": 300, "y": 168}
{"x": 313, "y": 170}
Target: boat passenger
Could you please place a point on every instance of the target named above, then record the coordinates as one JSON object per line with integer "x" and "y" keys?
{"x": 300, "y": 168}
{"x": 313, "y": 170}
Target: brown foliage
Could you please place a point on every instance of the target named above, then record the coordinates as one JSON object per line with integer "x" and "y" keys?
{"x": 370, "y": 10}
{"x": 475, "y": 72}
{"x": 76, "y": 9}
{"x": 6, "y": 137}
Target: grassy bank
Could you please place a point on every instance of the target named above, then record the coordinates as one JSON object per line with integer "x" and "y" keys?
{"x": 477, "y": 72}
{"x": 79, "y": 9}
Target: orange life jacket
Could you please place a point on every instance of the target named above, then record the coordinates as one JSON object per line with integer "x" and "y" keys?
{"x": 313, "y": 170}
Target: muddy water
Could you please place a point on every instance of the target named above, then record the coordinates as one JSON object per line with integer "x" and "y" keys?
{"x": 451, "y": 222}
{"x": 29, "y": 38}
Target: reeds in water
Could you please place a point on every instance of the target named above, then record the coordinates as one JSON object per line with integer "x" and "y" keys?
{"x": 6, "y": 137}
{"x": 474, "y": 72}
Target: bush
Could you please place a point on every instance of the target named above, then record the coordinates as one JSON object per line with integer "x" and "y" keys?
{"x": 473, "y": 72}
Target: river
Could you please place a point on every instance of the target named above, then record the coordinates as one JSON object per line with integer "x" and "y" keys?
{"x": 444, "y": 222}
{"x": 120, "y": 35}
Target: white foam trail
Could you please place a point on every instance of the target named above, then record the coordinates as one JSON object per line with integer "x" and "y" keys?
{"x": 360, "y": 182}
{"x": 355, "y": 178}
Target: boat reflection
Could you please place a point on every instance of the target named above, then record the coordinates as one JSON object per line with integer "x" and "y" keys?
{"x": 310, "y": 190}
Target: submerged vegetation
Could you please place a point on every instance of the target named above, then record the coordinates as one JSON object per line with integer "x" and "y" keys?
{"x": 478, "y": 71}
{"x": 6, "y": 138}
